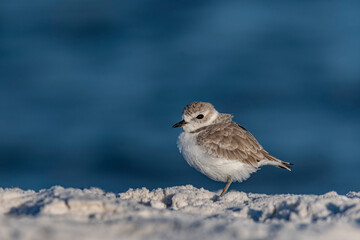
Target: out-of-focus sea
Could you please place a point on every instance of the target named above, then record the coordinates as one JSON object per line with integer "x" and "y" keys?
{"x": 89, "y": 90}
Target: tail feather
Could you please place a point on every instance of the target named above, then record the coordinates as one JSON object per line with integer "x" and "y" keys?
{"x": 279, "y": 163}
{"x": 284, "y": 165}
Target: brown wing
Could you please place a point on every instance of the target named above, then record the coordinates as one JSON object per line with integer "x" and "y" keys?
{"x": 230, "y": 140}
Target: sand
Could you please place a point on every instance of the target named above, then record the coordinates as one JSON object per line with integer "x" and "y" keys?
{"x": 181, "y": 212}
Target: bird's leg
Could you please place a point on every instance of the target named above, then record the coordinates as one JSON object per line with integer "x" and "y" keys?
{"x": 229, "y": 181}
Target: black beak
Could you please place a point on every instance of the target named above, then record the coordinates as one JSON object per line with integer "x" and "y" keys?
{"x": 179, "y": 124}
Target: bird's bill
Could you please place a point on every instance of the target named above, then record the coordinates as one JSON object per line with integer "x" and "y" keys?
{"x": 179, "y": 124}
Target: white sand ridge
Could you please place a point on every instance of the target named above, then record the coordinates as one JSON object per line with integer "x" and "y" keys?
{"x": 182, "y": 212}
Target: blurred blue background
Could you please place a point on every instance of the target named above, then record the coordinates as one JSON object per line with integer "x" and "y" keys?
{"x": 89, "y": 90}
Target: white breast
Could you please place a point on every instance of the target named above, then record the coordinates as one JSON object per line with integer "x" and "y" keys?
{"x": 218, "y": 169}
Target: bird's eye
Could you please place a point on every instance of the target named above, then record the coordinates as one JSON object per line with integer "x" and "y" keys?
{"x": 200, "y": 116}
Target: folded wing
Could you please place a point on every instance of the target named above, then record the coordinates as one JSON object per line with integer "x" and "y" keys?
{"x": 230, "y": 140}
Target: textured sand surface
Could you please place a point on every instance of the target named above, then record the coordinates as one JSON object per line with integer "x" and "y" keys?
{"x": 182, "y": 212}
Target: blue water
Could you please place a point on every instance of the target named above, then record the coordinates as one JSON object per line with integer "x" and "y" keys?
{"x": 89, "y": 92}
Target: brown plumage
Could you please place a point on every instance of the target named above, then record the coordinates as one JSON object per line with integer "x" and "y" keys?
{"x": 231, "y": 141}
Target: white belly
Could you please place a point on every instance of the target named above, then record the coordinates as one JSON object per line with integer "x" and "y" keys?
{"x": 217, "y": 169}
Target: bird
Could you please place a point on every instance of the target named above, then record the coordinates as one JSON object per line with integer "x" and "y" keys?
{"x": 223, "y": 150}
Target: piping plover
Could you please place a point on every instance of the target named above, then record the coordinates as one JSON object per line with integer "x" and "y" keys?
{"x": 220, "y": 148}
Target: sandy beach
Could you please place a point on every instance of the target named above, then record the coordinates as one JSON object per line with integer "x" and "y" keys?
{"x": 181, "y": 212}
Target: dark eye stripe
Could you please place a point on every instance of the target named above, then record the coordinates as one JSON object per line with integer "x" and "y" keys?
{"x": 200, "y": 116}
